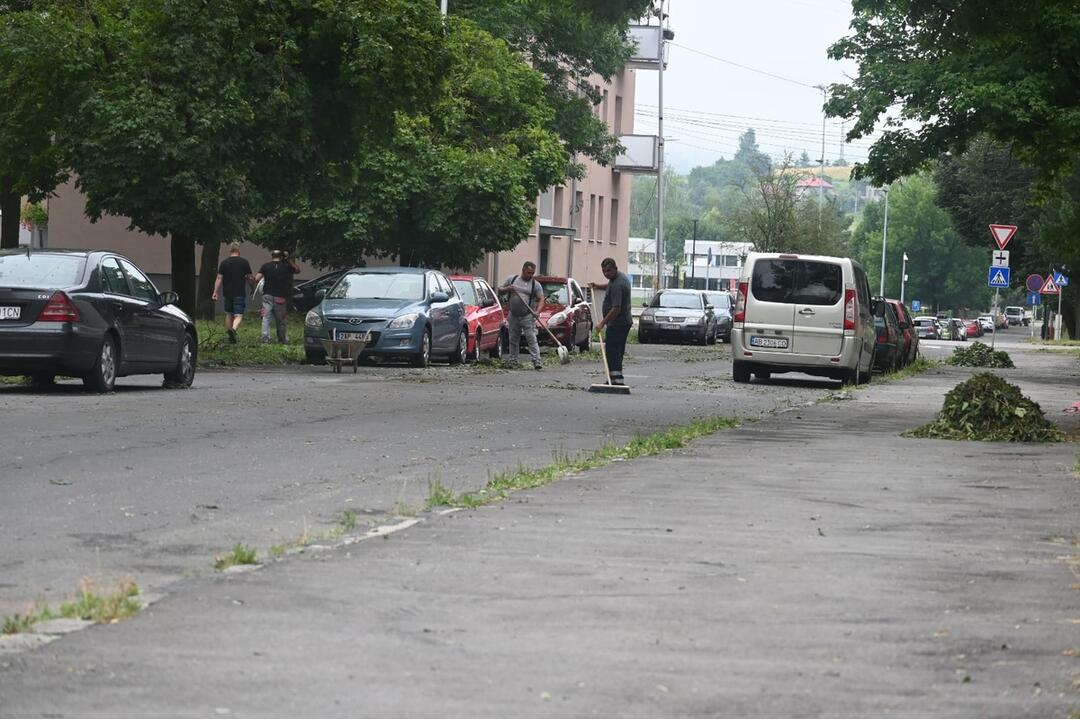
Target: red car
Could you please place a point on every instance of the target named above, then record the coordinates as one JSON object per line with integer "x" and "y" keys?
{"x": 910, "y": 340}
{"x": 566, "y": 313}
{"x": 484, "y": 315}
{"x": 974, "y": 328}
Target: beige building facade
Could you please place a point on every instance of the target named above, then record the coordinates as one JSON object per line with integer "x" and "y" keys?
{"x": 578, "y": 224}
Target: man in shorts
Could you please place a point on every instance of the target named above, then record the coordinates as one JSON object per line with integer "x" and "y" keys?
{"x": 233, "y": 276}
{"x": 277, "y": 288}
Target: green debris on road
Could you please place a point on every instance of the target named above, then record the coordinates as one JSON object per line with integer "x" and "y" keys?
{"x": 980, "y": 355}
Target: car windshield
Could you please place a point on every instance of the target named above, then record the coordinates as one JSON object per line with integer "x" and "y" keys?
{"x": 924, "y": 323}
{"x": 719, "y": 301}
{"x": 688, "y": 301}
{"x": 467, "y": 291}
{"x": 555, "y": 292}
{"x": 385, "y": 286}
{"x": 43, "y": 271}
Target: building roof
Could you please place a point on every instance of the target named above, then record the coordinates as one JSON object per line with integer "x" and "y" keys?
{"x": 814, "y": 183}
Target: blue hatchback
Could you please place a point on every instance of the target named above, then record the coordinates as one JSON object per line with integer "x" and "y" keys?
{"x": 397, "y": 313}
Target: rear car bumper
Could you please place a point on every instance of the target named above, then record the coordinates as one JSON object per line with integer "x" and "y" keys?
{"x": 47, "y": 347}
{"x": 683, "y": 333}
{"x": 779, "y": 362}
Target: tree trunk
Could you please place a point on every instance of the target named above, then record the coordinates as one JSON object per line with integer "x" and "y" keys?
{"x": 9, "y": 223}
{"x": 1070, "y": 314}
{"x": 182, "y": 250}
{"x": 207, "y": 275}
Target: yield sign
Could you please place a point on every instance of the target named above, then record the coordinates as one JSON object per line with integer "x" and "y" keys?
{"x": 1050, "y": 287}
{"x": 1002, "y": 234}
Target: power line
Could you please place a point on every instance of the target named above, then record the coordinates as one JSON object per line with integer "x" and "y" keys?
{"x": 787, "y": 133}
{"x": 744, "y": 67}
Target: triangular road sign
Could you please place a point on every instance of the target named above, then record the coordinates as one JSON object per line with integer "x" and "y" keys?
{"x": 1050, "y": 287}
{"x": 1060, "y": 280}
{"x": 1002, "y": 234}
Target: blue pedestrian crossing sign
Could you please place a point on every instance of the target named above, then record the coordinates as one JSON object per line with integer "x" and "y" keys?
{"x": 1034, "y": 298}
{"x": 998, "y": 277}
{"x": 1060, "y": 280}
{"x": 916, "y": 305}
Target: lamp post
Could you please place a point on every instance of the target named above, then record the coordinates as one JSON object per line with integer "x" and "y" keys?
{"x": 903, "y": 279}
{"x": 693, "y": 255}
{"x": 884, "y": 238}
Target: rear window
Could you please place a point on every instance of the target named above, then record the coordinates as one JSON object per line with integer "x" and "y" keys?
{"x": 41, "y": 271}
{"x": 803, "y": 282}
{"x": 719, "y": 301}
{"x": 924, "y": 323}
{"x": 684, "y": 300}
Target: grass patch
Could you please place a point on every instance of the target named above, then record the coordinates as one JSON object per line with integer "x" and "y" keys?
{"x": 239, "y": 555}
{"x": 980, "y": 355}
{"x": 523, "y": 478}
{"x": 1063, "y": 342}
{"x": 107, "y": 605}
{"x": 215, "y": 350}
{"x": 439, "y": 495}
{"x": 916, "y": 366}
{"x": 986, "y": 407}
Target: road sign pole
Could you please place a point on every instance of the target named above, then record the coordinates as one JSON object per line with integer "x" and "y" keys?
{"x": 1057, "y": 320}
{"x": 993, "y": 336}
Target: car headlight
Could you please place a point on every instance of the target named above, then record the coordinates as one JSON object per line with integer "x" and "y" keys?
{"x": 557, "y": 319}
{"x": 313, "y": 319}
{"x": 404, "y": 321}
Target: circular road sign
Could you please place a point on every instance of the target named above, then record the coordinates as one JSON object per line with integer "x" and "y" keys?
{"x": 1034, "y": 282}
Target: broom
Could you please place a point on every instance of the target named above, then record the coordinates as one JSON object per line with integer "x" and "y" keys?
{"x": 560, "y": 349}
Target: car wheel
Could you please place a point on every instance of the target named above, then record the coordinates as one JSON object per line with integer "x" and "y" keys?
{"x": 184, "y": 373}
{"x": 586, "y": 344}
{"x": 102, "y": 378}
{"x": 740, "y": 372}
{"x": 476, "y": 348}
{"x": 461, "y": 352}
{"x": 496, "y": 352}
{"x": 423, "y": 358}
{"x": 314, "y": 357}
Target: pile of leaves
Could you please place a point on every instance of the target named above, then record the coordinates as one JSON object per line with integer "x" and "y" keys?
{"x": 980, "y": 355}
{"x": 986, "y": 407}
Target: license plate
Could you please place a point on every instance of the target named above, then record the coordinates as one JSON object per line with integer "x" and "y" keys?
{"x": 768, "y": 342}
{"x": 670, "y": 326}
{"x": 9, "y": 312}
{"x": 355, "y": 336}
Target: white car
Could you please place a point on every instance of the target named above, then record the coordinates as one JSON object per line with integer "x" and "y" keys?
{"x": 987, "y": 322}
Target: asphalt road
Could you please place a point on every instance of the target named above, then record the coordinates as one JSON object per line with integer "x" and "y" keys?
{"x": 152, "y": 483}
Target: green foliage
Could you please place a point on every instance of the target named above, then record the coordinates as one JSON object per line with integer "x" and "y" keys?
{"x": 239, "y": 555}
{"x": 958, "y": 70}
{"x": 986, "y": 407}
{"x": 980, "y": 355}
{"x": 115, "y": 604}
{"x": 35, "y": 214}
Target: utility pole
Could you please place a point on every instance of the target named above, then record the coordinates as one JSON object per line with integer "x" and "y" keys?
{"x": 884, "y": 238}
{"x": 660, "y": 159}
{"x": 821, "y": 177}
{"x": 444, "y": 7}
{"x": 693, "y": 255}
{"x": 903, "y": 278}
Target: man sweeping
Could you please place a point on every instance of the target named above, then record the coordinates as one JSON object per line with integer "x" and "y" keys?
{"x": 617, "y": 318}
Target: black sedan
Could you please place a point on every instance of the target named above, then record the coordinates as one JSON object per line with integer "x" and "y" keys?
{"x": 722, "y": 304}
{"x": 306, "y": 294}
{"x": 89, "y": 314}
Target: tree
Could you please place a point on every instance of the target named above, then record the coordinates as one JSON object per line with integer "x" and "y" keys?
{"x": 804, "y": 160}
{"x": 749, "y": 155}
{"x": 767, "y": 216}
{"x": 958, "y": 70}
{"x": 43, "y": 65}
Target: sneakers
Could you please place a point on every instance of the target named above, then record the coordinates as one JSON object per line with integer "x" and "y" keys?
{"x": 264, "y": 340}
{"x": 232, "y": 336}
{"x": 538, "y": 366}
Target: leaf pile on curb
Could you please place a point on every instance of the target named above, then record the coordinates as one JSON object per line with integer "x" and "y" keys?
{"x": 980, "y": 355}
{"x": 986, "y": 407}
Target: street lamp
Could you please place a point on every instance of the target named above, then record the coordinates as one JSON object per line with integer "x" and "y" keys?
{"x": 884, "y": 237}
{"x": 903, "y": 279}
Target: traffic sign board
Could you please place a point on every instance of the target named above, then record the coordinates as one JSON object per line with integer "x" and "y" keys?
{"x": 1000, "y": 258}
{"x": 1034, "y": 282}
{"x": 1034, "y": 298}
{"x": 1060, "y": 280}
{"x": 916, "y": 305}
{"x": 1049, "y": 287}
{"x": 998, "y": 277}
{"x": 1002, "y": 234}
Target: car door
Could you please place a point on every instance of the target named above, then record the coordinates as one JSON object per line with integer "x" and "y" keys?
{"x": 490, "y": 317}
{"x": 122, "y": 309}
{"x": 443, "y": 328}
{"x": 157, "y": 332}
{"x": 819, "y": 308}
{"x": 770, "y": 310}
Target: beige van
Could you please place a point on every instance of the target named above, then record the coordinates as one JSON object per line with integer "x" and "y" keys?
{"x": 802, "y": 313}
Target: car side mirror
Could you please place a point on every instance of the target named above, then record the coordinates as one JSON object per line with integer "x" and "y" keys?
{"x": 439, "y": 297}
{"x": 168, "y": 298}
{"x": 644, "y": 303}
{"x": 488, "y": 302}
{"x": 320, "y": 293}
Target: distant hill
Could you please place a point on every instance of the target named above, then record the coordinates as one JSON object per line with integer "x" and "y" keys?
{"x": 840, "y": 172}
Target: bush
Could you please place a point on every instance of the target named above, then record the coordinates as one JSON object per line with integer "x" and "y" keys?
{"x": 986, "y": 407}
{"x": 980, "y": 355}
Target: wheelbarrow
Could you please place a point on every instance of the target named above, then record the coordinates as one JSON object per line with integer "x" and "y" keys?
{"x": 343, "y": 352}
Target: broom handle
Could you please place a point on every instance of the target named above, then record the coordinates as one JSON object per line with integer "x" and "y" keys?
{"x": 544, "y": 325}
{"x": 603, "y": 350}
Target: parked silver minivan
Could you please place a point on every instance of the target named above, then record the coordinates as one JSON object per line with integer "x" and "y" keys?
{"x": 803, "y": 313}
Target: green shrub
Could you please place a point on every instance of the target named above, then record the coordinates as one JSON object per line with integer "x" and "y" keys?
{"x": 986, "y": 407}
{"x": 980, "y": 355}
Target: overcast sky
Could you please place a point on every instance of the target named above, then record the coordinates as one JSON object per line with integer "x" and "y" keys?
{"x": 710, "y": 101}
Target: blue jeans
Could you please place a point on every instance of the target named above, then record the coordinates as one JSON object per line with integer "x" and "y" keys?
{"x": 276, "y": 308}
{"x": 615, "y": 347}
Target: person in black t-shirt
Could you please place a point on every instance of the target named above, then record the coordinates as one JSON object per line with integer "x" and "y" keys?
{"x": 277, "y": 287}
{"x": 233, "y": 275}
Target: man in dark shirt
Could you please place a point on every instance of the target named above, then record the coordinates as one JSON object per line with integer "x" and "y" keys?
{"x": 617, "y": 317}
{"x": 277, "y": 286}
{"x": 233, "y": 275}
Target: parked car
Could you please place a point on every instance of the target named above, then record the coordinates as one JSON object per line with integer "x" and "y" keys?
{"x": 678, "y": 315}
{"x": 927, "y": 327}
{"x": 910, "y": 349}
{"x": 722, "y": 305}
{"x": 89, "y": 314}
{"x": 959, "y": 329}
{"x": 889, "y": 346}
{"x": 567, "y": 313}
{"x": 987, "y": 323}
{"x": 483, "y": 314}
{"x": 973, "y": 328}
{"x": 305, "y": 294}
{"x": 803, "y": 313}
{"x": 399, "y": 313}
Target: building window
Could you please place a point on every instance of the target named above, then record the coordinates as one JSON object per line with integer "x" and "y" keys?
{"x": 613, "y": 226}
{"x": 575, "y": 214}
{"x": 604, "y": 109}
{"x": 731, "y": 261}
{"x": 545, "y": 253}
{"x": 592, "y": 216}
{"x": 557, "y": 206}
{"x": 600, "y": 219}
{"x": 617, "y": 124}
{"x": 545, "y": 205}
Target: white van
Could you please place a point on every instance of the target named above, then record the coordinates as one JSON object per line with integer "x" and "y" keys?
{"x": 803, "y": 313}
